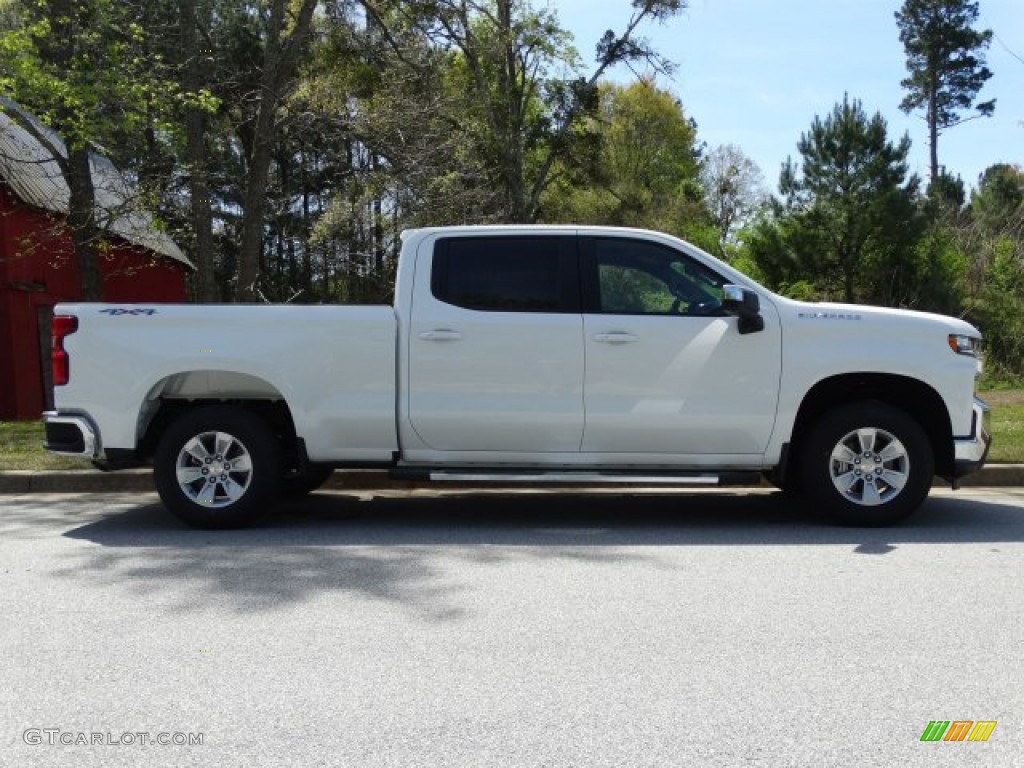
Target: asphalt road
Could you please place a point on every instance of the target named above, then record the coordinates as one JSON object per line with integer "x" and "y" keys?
{"x": 705, "y": 629}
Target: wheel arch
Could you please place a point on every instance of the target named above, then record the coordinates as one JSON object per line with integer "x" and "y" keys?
{"x": 181, "y": 392}
{"x": 913, "y": 396}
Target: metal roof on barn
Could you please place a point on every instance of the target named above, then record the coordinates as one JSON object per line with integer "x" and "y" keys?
{"x": 32, "y": 173}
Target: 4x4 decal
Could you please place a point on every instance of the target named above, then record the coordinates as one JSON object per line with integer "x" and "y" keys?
{"x": 118, "y": 312}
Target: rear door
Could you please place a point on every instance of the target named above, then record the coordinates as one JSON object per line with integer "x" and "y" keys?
{"x": 496, "y": 344}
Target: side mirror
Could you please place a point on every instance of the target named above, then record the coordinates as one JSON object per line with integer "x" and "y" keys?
{"x": 744, "y": 304}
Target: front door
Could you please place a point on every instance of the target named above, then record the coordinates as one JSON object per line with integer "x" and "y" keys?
{"x": 667, "y": 371}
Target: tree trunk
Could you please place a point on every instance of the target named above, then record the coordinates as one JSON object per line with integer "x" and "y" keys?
{"x": 279, "y": 63}
{"x": 511, "y": 120}
{"x": 85, "y": 233}
{"x": 307, "y": 252}
{"x": 933, "y": 128}
{"x": 58, "y": 50}
{"x": 201, "y": 205}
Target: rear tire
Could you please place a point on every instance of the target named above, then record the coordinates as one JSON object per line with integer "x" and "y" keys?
{"x": 218, "y": 467}
{"x": 867, "y": 464}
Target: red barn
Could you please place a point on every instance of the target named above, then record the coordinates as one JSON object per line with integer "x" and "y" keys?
{"x": 37, "y": 264}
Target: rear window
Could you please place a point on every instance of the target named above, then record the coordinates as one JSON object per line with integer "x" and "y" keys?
{"x": 506, "y": 274}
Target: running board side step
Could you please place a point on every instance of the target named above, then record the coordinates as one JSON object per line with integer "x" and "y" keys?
{"x": 580, "y": 478}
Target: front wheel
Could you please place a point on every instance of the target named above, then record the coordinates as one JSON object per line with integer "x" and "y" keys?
{"x": 867, "y": 464}
{"x": 218, "y": 467}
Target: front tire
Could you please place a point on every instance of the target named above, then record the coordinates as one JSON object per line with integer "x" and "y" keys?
{"x": 218, "y": 467}
{"x": 867, "y": 464}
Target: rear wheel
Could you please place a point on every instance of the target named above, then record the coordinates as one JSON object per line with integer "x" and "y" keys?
{"x": 218, "y": 467}
{"x": 867, "y": 464}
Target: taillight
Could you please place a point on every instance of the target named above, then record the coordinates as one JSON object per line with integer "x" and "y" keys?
{"x": 63, "y": 325}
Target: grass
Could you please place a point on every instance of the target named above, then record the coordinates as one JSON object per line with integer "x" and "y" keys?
{"x": 21, "y": 442}
{"x": 21, "y": 447}
{"x": 1007, "y": 425}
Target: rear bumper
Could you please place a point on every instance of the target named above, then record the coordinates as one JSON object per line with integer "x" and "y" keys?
{"x": 969, "y": 453}
{"x": 71, "y": 434}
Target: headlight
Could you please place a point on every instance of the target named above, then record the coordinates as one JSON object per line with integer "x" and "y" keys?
{"x": 965, "y": 345}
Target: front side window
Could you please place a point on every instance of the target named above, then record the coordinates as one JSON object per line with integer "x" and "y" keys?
{"x": 505, "y": 274}
{"x": 637, "y": 277}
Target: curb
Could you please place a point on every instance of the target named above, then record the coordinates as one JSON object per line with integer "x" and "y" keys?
{"x": 141, "y": 481}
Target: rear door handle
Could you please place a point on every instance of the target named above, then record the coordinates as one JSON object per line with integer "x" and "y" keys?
{"x": 615, "y": 338}
{"x": 441, "y": 334}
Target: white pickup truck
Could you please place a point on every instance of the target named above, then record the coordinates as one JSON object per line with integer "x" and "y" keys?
{"x": 526, "y": 354}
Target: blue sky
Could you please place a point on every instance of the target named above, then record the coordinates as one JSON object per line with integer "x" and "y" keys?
{"x": 755, "y": 73}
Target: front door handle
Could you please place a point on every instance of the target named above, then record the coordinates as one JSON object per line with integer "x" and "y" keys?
{"x": 441, "y": 334}
{"x": 615, "y": 338}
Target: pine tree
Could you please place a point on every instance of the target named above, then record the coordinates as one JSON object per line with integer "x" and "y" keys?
{"x": 946, "y": 65}
{"x": 847, "y": 221}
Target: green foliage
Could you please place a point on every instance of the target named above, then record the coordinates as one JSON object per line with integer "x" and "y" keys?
{"x": 998, "y": 380}
{"x": 1001, "y": 309}
{"x": 81, "y": 67}
{"x": 847, "y": 222}
{"x": 646, "y": 171}
{"x": 993, "y": 230}
{"x": 445, "y": 112}
{"x": 998, "y": 202}
{"x": 739, "y": 255}
{"x": 938, "y": 273}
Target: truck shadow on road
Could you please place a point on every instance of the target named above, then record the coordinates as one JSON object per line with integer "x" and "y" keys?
{"x": 404, "y": 549}
{"x": 563, "y": 519}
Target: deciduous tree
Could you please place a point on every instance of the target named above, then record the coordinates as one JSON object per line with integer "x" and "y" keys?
{"x": 287, "y": 27}
{"x": 646, "y": 171}
{"x": 79, "y": 65}
{"x": 734, "y": 189}
{"x": 523, "y": 90}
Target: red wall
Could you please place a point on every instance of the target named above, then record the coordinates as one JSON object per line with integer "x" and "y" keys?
{"x": 37, "y": 269}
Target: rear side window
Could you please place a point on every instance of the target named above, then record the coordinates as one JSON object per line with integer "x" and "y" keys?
{"x": 507, "y": 274}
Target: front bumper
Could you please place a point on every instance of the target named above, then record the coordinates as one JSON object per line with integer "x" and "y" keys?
{"x": 969, "y": 453}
